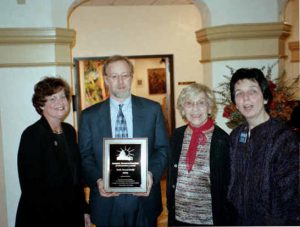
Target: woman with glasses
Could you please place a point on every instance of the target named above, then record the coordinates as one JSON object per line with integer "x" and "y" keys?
{"x": 49, "y": 163}
{"x": 123, "y": 115}
{"x": 199, "y": 166}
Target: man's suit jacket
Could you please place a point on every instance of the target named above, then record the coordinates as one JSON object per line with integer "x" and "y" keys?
{"x": 95, "y": 124}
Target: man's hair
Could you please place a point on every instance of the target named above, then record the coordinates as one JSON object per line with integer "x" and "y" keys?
{"x": 116, "y": 58}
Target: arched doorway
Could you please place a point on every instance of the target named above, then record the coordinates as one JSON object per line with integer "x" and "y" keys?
{"x": 157, "y": 42}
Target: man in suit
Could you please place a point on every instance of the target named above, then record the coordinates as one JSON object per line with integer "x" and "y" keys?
{"x": 143, "y": 118}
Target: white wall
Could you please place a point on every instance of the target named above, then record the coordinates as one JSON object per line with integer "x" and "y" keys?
{"x": 34, "y": 13}
{"x": 17, "y": 112}
{"x": 16, "y": 90}
{"x": 142, "y": 30}
{"x": 233, "y": 11}
{"x": 3, "y": 202}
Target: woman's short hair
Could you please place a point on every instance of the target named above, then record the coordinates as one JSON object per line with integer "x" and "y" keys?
{"x": 47, "y": 87}
{"x": 116, "y": 58}
{"x": 192, "y": 91}
{"x": 253, "y": 74}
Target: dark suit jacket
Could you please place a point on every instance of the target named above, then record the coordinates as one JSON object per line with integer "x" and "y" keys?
{"x": 219, "y": 173}
{"x": 50, "y": 180}
{"x": 95, "y": 124}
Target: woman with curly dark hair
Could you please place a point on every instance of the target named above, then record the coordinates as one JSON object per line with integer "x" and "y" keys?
{"x": 49, "y": 163}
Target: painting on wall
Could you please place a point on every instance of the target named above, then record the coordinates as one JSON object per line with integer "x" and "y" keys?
{"x": 157, "y": 81}
{"x": 91, "y": 83}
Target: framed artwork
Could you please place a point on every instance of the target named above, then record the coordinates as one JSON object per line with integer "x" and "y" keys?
{"x": 157, "y": 81}
{"x": 92, "y": 88}
{"x": 139, "y": 83}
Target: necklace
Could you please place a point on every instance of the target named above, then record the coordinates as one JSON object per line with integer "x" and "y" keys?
{"x": 59, "y": 131}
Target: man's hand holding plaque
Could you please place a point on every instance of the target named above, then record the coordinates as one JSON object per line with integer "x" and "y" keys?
{"x": 149, "y": 186}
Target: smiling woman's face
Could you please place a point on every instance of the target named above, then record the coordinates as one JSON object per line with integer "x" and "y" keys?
{"x": 56, "y": 106}
{"x": 196, "y": 110}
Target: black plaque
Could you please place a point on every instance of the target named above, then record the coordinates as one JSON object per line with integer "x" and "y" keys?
{"x": 125, "y": 165}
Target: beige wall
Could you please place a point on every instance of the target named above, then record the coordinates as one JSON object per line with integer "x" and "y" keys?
{"x": 140, "y": 73}
{"x": 145, "y": 30}
{"x": 142, "y": 30}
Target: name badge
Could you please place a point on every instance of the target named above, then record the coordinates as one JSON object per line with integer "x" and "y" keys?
{"x": 243, "y": 137}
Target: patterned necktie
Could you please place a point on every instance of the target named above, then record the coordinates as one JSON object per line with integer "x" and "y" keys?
{"x": 121, "y": 127}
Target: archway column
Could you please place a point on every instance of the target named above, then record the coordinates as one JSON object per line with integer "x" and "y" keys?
{"x": 243, "y": 41}
{"x": 239, "y": 34}
{"x": 31, "y": 47}
{"x": 36, "y": 47}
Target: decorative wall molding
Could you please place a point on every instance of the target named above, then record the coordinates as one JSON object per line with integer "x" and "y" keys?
{"x": 36, "y": 35}
{"x": 243, "y": 31}
{"x": 243, "y": 41}
{"x": 41, "y": 64}
{"x": 294, "y": 48}
{"x": 21, "y": 47}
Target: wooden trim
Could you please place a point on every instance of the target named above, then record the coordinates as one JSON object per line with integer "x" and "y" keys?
{"x": 294, "y": 48}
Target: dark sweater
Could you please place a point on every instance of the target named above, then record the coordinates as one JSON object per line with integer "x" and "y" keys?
{"x": 264, "y": 187}
{"x": 50, "y": 178}
{"x": 219, "y": 173}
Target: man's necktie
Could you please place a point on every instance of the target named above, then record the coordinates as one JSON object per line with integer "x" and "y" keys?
{"x": 121, "y": 127}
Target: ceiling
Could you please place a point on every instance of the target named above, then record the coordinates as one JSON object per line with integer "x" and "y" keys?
{"x": 135, "y": 2}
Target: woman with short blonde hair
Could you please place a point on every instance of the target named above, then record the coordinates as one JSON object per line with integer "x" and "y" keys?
{"x": 199, "y": 167}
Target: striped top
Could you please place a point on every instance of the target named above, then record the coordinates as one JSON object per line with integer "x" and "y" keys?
{"x": 193, "y": 196}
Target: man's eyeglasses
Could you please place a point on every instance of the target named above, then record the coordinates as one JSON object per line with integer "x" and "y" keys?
{"x": 123, "y": 77}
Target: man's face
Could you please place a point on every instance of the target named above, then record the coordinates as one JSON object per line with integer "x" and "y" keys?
{"x": 118, "y": 80}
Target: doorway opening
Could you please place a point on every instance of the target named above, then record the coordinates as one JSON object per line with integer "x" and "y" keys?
{"x": 153, "y": 79}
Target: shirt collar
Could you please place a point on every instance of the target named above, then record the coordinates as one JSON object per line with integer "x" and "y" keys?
{"x": 115, "y": 103}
